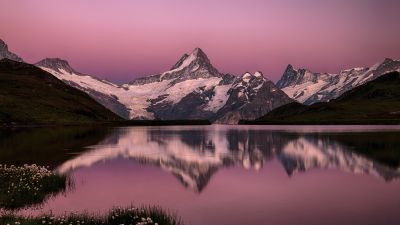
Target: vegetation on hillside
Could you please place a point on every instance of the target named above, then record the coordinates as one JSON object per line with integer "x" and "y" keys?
{"x": 31, "y": 96}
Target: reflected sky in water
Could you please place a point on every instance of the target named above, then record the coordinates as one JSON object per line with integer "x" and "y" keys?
{"x": 241, "y": 174}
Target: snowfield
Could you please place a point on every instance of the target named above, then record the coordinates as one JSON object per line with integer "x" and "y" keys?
{"x": 137, "y": 97}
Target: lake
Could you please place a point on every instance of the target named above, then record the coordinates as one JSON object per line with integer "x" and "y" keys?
{"x": 221, "y": 174}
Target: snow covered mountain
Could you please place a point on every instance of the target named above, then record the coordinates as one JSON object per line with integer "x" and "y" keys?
{"x": 249, "y": 97}
{"x": 308, "y": 87}
{"x": 5, "y": 53}
{"x": 106, "y": 93}
{"x": 192, "y": 89}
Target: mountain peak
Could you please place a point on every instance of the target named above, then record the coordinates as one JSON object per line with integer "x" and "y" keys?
{"x": 288, "y": 78}
{"x": 197, "y": 56}
{"x": 289, "y": 67}
{"x": 57, "y": 64}
{"x": 191, "y": 66}
{"x": 5, "y": 53}
{"x": 247, "y": 77}
{"x": 258, "y": 74}
{"x": 3, "y": 45}
{"x": 199, "y": 53}
{"x": 246, "y": 74}
{"x": 387, "y": 60}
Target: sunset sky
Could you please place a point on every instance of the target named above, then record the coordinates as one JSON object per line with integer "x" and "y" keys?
{"x": 123, "y": 39}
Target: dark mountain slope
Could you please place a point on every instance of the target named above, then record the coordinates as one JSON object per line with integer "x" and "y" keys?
{"x": 31, "y": 96}
{"x": 375, "y": 102}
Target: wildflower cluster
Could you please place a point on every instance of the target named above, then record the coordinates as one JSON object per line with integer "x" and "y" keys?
{"x": 131, "y": 215}
{"x": 117, "y": 216}
{"x": 25, "y": 185}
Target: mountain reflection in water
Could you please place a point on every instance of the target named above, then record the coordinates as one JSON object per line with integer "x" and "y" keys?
{"x": 194, "y": 154}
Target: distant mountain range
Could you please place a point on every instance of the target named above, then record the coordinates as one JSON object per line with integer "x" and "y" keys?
{"x": 374, "y": 102}
{"x": 307, "y": 87}
{"x": 193, "y": 89}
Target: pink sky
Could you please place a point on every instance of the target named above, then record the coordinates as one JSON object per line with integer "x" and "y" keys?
{"x": 123, "y": 39}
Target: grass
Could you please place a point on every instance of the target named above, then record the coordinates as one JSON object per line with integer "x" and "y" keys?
{"x": 129, "y": 215}
{"x": 28, "y": 185}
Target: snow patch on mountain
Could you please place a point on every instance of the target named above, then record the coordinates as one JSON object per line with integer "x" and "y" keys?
{"x": 219, "y": 99}
{"x": 303, "y": 91}
{"x": 179, "y": 90}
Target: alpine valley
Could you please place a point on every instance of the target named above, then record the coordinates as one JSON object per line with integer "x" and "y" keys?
{"x": 193, "y": 89}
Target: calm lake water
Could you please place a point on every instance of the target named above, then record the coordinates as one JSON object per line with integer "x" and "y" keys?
{"x": 222, "y": 174}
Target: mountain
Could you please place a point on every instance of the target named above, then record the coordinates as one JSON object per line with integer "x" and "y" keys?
{"x": 6, "y": 54}
{"x": 193, "y": 66}
{"x": 57, "y": 64}
{"x": 374, "y": 102}
{"x": 102, "y": 91}
{"x": 251, "y": 96}
{"x": 193, "y": 89}
{"x": 31, "y": 96}
{"x": 308, "y": 87}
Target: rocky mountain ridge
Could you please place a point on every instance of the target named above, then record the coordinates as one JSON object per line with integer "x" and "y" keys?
{"x": 309, "y": 87}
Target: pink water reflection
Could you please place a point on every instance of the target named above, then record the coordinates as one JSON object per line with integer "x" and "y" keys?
{"x": 237, "y": 196}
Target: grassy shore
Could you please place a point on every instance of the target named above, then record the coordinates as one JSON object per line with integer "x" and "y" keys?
{"x": 117, "y": 216}
{"x": 23, "y": 186}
